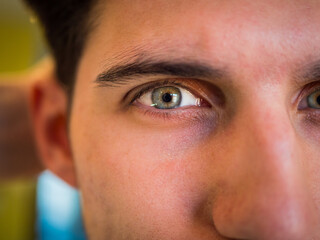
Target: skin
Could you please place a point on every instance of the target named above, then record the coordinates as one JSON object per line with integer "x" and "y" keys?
{"x": 245, "y": 168}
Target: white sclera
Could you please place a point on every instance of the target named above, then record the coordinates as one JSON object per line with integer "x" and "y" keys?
{"x": 188, "y": 99}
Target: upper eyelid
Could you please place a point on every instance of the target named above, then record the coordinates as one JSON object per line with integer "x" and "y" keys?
{"x": 309, "y": 89}
{"x": 303, "y": 90}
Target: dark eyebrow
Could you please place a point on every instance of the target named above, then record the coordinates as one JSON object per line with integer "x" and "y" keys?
{"x": 120, "y": 74}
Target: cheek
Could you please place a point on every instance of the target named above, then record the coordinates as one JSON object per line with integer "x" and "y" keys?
{"x": 312, "y": 154}
{"x": 149, "y": 174}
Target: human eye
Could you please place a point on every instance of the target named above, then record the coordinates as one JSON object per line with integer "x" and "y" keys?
{"x": 170, "y": 97}
{"x": 309, "y": 104}
{"x": 175, "y": 100}
{"x": 311, "y": 98}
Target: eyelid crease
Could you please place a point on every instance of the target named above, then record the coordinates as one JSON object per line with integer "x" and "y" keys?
{"x": 310, "y": 88}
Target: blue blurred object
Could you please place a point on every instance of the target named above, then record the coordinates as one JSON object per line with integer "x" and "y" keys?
{"x": 59, "y": 210}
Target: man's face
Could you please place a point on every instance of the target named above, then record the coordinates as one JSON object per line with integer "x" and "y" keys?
{"x": 200, "y": 120}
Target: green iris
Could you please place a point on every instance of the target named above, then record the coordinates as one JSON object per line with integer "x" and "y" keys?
{"x": 314, "y": 100}
{"x": 166, "y": 97}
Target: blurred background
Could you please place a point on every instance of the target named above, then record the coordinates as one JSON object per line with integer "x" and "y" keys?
{"x": 32, "y": 206}
{"x": 21, "y": 44}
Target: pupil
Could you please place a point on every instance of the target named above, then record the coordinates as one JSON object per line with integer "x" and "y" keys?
{"x": 318, "y": 100}
{"x": 168, "y": 98}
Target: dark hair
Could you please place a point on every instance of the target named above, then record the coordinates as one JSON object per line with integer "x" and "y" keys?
{"x": 66, "y": 26}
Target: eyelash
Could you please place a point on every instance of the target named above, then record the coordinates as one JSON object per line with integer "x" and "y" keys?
{"x": 311, "y": 87}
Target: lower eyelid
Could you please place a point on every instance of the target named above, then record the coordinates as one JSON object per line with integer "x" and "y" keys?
{"x": 313, "y": 117}
{"x": 190, "y": 113}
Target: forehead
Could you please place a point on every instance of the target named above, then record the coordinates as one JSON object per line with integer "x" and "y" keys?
{"x": 235, "y": 32}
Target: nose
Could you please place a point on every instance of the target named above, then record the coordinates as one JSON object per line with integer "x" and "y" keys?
{"x": 264, "y": 193}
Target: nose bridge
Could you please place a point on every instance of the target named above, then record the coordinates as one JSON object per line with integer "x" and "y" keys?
{"x": 270, "y": 154}
{"x": 271, "y": 151}
{"x": 269, "y": 137}
{"x": 267, "y": 197}
{"x": 267, "y": 141}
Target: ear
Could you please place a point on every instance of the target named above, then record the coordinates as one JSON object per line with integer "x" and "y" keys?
{"x": 49, "y": 114}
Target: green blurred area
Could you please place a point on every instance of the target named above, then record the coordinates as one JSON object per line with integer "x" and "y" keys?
{"x": 17, "y": 210}
{"x": 20, "y": 40}
{"x": 21, "y": 46}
